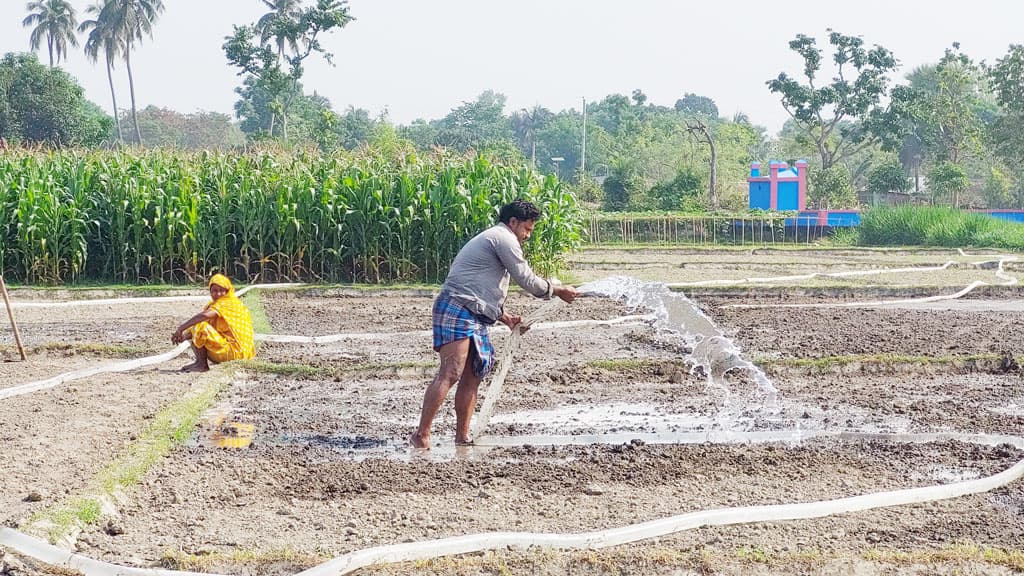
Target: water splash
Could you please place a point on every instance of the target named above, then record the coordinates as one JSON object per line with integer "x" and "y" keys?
{"x": 711, "y": 352}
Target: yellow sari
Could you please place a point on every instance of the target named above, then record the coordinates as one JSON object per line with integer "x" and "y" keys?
{"x": 229, "y": 336}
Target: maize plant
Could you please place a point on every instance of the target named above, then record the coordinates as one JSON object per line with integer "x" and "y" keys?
{"x": 149, "y": 217}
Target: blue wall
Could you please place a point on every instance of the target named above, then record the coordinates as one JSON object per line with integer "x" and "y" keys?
{"x": 760, "y": 196}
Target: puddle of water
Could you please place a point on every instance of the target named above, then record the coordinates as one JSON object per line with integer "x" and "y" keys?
{"x": 711, "y": 352}
{"x": 1012, "y": 409}
{"x": 949, "y": 475}
{"x": 623, "y": 417}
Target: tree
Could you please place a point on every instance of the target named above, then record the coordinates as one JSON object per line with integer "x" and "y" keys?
{"x": 951, "y": 105}
{"x": 275, "y": 73}
{"x": 831, "y": 188}
{"x": 996, "y": 190}
{"x": 130, "y": 21}
{"x": 887, "y": 177}
{"x": 279, "y": 24}
{"x": 699, "y": 130}
{"x": 477, "y": 124}
{"x": 678, "y": 193}
{"x": 1007, "y": 77}
{"x": 847, "y": 114}
{"x": 55, "y": 21}
{"x": 947, "y": 181}
{"x": 46, "y": 106}
{"x": 103, "y": 39}
{"x": 694, "y": 105}
{"x": 195, "y": 131}
{"x": 525, "y": 124}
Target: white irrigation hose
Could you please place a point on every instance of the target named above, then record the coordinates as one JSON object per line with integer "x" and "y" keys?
{"x": 143, "y": 299}
{"x": 1000, "y": 273}
{"x": 330, "y": 338}
{"x": 424, "y": 550}
{"x": 589, "y": 540}
{"x": 43, "y": 552}
{"x": 812, "y": 275}
{"x": 123, "y": 366}
{"x": 128, "y": 365}
{"x": 494, "y": 389}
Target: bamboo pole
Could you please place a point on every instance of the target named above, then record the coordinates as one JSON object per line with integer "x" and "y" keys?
{"x": 10, "y": 314}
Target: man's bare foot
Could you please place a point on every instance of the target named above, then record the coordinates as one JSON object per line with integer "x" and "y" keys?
{"x": 463, "y": 442}
{"x": 195, "y": 367}
{"x": 418, "y": 441}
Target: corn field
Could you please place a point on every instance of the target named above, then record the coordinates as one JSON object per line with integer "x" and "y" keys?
{"x": 165, "y": 217}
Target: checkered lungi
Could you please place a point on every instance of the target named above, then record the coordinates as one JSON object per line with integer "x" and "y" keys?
{"x": 452, "y": 322}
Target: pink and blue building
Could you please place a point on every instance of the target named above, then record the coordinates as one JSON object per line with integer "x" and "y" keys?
{"x": 784, "y": 188}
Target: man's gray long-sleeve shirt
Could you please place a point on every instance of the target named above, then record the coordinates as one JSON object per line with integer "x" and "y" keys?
{"x": 478, "y": 278}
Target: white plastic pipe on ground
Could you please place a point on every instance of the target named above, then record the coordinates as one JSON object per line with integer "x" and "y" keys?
{"x": 587, "y": 540}
{"x": 597, "y": 539}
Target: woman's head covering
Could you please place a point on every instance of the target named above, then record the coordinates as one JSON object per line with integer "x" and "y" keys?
{"x": 223, "y": 281}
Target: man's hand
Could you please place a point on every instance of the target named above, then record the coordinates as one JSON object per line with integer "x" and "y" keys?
{"x": 178, "y": 337}
{"x": 566, "y": 293}
{"x": 512, "y": 320}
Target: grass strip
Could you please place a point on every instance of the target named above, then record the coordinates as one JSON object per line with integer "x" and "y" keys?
{"x": 89, "y": 349}
{"x": 827, "y": 362}
{"x": 170, "y": 428}
{"x": 314, "y": 372}
{"x": 813, "y": 364}
{"x": 960, "y": 553}
{"x": 612, "y": 561}
{"x": 216, "y": 561}
{"x": 260, "y": 320}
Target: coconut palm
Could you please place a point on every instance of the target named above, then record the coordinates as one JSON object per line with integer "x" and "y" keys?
{"x": 102, "y": 39}
{"x": 525, "y": 124}
{"x": 55, "y": 21}
{"x": 276, "y": 24}
{"x": 129, "y": 21}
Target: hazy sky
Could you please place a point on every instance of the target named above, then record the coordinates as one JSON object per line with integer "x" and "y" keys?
{"x": 420, "y": 58}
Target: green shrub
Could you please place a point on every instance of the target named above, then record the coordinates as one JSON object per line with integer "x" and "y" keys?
{"x": 831, "y": 188}
{"x": 937, "y": 226}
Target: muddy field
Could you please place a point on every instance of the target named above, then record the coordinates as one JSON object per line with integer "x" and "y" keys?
{"x": 598, "y": 427}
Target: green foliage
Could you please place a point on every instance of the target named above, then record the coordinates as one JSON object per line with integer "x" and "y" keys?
{"x": 888, "y": 176}
{"x": 678, "y": 194}
{"x": 475, "y": 125}
{"x": 996, "y": 190}
{"x": 55, "y": 21}
{"x": 623, "y": 190}
{"x": 946, "y": 182}
{"x": 1007, "y": 78}
{"x": 950, "y": 106}
{"x": 170, "y": 217}
{"x": 937, "y": 226}
{"x": 846, "y": 114}
{"x": 694, "y": 105}
{"x": 831, "y": 188}
{"x": 272, "y": 74}
{"x": 46, "y": 106}
{"x": 162, "y": 127}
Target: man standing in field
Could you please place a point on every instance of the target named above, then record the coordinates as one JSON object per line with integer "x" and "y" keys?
{"x": 472, "y": 298}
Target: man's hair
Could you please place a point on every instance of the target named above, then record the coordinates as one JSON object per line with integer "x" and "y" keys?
{"x": 520, "y": 210}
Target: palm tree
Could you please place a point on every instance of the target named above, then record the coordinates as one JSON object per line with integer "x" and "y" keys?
{"x": 54, "y": 20}
{"x": 276, "y": 24}
{"x": 526, "y": 123}
{"x": 102, "y": 38}
{"x": 129, "y": 21}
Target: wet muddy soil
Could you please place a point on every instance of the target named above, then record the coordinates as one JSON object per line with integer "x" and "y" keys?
{"x": 328, "y": 471}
